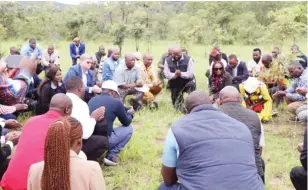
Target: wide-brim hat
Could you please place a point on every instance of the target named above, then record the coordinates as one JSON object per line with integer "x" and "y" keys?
{"x": 110, "y": 85}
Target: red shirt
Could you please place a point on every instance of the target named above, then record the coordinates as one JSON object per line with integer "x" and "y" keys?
{"x": 30, "y": 150}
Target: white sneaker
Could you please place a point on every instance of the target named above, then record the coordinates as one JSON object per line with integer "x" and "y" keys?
{"x": 109, "y": 162}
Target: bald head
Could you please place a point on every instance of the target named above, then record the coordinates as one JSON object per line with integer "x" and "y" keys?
{"x": 267, "y": 60}
{"x": 177, "y": 53}
{"x": 61, "y": 103}
{"x": 195, "y": 99}
{"x": 229, "y": 94}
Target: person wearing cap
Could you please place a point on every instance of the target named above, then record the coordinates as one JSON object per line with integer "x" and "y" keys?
{"x": 114, "y": 108}
{"x": 223, "y": 55}
{"x": 257, "y": 98}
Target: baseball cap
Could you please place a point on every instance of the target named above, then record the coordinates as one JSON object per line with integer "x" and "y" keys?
{"x": 111, "y": 85}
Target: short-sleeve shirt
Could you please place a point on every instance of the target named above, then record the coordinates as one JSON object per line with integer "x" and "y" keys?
{"x": 171, "y": 151}
{"x": 123, "y": 75}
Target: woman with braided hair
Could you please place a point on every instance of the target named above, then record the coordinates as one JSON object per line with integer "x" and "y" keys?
{"x": 63, "y": 166}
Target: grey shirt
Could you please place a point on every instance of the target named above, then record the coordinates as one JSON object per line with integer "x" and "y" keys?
{"x": 124, "y": 76}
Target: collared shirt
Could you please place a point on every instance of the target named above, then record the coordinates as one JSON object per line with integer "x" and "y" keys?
{"x": 82, "y": 113}
{"x": 109, "y": 66}
{"x": 123, "y": 75}
{"x": 7, "y": 109}
{"x": 147, "y": 74}
{"x": 14, "y": 90}
{"x": 254, "y": 67}
{"x": 275, "y": 73}
{"x": 30, "y": 150}
{"x": 26, "y": 50}
{"x": 189, "y": 74}
{"x": 301, "y": 82}
{"x": 77, "y": 49}
{"x": 50, "y": 58}
{"x": 234, "y": 70}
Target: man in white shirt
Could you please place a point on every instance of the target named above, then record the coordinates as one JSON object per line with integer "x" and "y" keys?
{"x": 50, "y": 57}
{"x": 94, "y": 146}
{"x": 254, "y": 65}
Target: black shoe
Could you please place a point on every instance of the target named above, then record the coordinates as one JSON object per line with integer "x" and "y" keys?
{"x": 153, "y": 106}
{"x": 136, "y": 105}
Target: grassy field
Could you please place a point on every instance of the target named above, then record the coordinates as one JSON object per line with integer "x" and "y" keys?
{"x": 140, "y": 161}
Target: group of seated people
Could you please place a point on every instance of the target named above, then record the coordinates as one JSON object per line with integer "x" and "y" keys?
{"x": 76, "y": 116}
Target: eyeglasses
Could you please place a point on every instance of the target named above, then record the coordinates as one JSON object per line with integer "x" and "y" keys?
{"x": 89, "y": 62}
{"x": 218, "y": 69}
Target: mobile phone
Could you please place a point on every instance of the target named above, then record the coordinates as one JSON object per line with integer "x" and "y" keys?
{"x": 13, "y": 61}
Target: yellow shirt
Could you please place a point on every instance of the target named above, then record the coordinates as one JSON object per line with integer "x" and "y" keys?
{"x": 275, "y": 73}
{"x": 147, "y": 74}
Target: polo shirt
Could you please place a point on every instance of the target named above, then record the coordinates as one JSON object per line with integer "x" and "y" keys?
{"x": 123, "y": 75}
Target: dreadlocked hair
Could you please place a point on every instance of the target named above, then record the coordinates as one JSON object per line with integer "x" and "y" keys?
{"x": 60, "y": 136}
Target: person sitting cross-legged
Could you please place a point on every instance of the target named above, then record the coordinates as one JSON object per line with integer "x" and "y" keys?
{"x": 94, "y": 146}
{"x": 149, "y": 79}
{"x": 120, "y": 136}
{"x": 230, "y": 104}
{"x": 65, "y": 167}
{"x": 206, "y": 149}
{"x": 30, "y": 147}
{"x": 128, "y": 78}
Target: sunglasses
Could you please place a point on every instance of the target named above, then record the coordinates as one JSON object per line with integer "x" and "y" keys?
{"x": 218, "y": 69}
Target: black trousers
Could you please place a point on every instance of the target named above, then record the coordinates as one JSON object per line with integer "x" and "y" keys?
{"x": 3, "y": 167}
{"x": 263, "y": 166}
{"x": 95, "y": 146}
{"x": 177, "y": 93}
{"x": 298, "y": 177}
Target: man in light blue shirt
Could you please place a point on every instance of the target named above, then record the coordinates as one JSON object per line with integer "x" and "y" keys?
{"x": 110, "y": 65}
{"x": 31, "y": 49}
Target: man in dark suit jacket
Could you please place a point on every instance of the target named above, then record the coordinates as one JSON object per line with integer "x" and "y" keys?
{"x": 223, "y": 55}
{"x": 76, "y": 50}
{"x": 237, "y": 69}
{"x": 82, "y": 70}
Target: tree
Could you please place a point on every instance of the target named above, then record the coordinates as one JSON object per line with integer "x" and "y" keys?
{"x": 119, "y": 31}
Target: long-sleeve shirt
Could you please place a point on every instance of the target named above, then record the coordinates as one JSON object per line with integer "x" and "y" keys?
{"x": 189, "y": 74}
{"x": 26, "y": 50}
{"x": 51, "y": 58}
{"x": 109, "y": 67}
{"x": 114, "y": 108}
{"x": 82, "y": 114}
{"x": 301, "y": 82}
{"x": 14, "y": 90}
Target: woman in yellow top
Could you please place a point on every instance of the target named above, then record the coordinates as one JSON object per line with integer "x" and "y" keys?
{"x": 257, "y": 98}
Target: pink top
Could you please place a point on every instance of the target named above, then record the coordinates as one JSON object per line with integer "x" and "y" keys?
{"x": 30, "y": 150}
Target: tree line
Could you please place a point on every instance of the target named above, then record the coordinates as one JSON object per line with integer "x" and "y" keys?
{"x": 186, "y": 22}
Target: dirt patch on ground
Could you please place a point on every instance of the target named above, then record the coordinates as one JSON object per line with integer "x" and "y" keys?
{"x": 160, "y": 140}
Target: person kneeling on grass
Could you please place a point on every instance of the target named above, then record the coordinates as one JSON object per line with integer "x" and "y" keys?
{"x": 148, "y": 78}
{"x": 257, "y": 98}
{"x": 65, "y": 167}
{"x": 207, "y": 149}
{"x": 114, "y": 108}
{"x": 294, "y": 99}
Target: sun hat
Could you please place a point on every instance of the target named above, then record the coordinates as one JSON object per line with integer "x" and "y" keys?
{"x": 251, "y": 84}
{"x": 110, "y": 85}
{"x": 138, "y": 55}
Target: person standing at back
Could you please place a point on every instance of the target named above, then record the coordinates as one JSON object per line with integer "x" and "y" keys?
{"x": 230, "y": 104}
{"x": 76, "y": 50}
{"x": 206, "y": 149}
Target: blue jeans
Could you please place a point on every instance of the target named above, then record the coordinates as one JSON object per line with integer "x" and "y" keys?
{"x": 8, "y": 116}
{"x": 163, "y": 186}
{"x": 118, "y": 139}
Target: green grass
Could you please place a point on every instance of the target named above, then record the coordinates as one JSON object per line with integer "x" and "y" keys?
{"x": 140, "y": 161}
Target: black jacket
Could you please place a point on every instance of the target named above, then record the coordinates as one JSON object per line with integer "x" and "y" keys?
{"x": 303, "y": 157}
{"x": 242, "y": 73}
